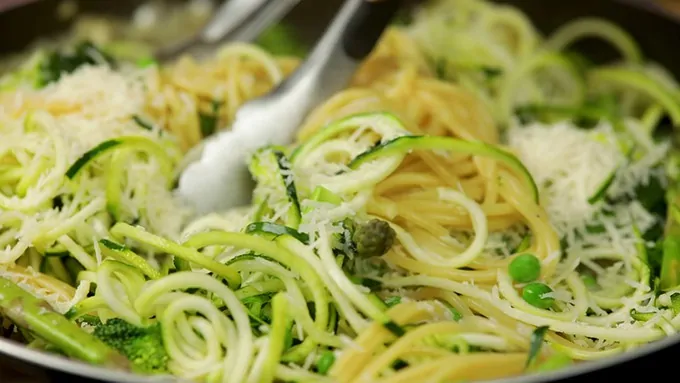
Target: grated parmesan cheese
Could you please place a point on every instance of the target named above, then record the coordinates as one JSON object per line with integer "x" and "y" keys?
{"x": 570, "y": 164}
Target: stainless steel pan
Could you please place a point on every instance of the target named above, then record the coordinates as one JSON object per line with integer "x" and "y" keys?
{"x": 657, "y": 32}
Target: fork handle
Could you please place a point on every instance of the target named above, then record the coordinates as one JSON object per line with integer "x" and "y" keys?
{"x": 351, "y": 36}
{"x": 328, "y": 69}
{"x": 364, "y": 29}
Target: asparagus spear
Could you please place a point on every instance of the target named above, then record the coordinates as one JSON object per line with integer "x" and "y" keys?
{"x": 670, "y": 261}
{"x": 37, "y": 316}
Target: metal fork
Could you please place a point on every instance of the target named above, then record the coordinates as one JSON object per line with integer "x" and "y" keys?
{"x": 219, "y": 179}
{"x": 234, "y": 20}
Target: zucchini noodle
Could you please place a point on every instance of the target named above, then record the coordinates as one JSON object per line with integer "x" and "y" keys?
{"x": 481, "y": 201}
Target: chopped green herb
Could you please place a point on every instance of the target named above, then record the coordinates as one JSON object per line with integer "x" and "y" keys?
{"x": 441, "y": 68}
{"x": 392, "y": 301}
{"x": 535, "y": 344}
{"x": 399, "y": 364}
{"x": 58, "y": 63}
{"x": 601, "y": 192}
{"x": 491, "y": 73}
{"x": 209, "y": 121}
{"x": 142, "y": 124}
{"x": 372, "y": 284}
{"x": 455, "y": 314}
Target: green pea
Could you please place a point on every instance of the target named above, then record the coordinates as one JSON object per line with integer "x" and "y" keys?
{"x": 524, "y": 268}
{"x": 533, "y": 294}
{"x": 325, "y": 361}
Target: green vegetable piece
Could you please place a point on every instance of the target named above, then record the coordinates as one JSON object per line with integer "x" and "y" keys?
{"x": 58, "y": 63}
{"x": 408, "y": 144}
{"x": 670, "y": 262}
{"x": 187, "y": 254}
{"x": 90, "y": 155}
{"x": 36, "y": 316}
{"x": 254, "y": 306}
{"x": 601, "y": 191}
{"x": 322, "y": 194}
{"x": 123, "y": 254}
{"x": 143, "y": 346}
{"x": 274, "y": 229}
{"x": 536, "y": 343}
{"x": 373, "y": 238}
{"x": 141, "y": 123}
{"x": 534, "y": 294}
{"x": 281, "y": 40}
{"x": 455, "y": 314}
{"x": 491, "y": 72}
{"x": 641, "y": 316}
{"x": 145, "y": 62}
{"x": 394, "y": 328}
{"x": 524, "y": 268}
{"x": 277, "y": 337}
{"x": 554, "y": 362}
{"x": 675, "y": 303}
{"x": 209, "y": 121}
{"x": 372, "y": 284}
{"x": 249, "y": 256}
{"x": 589, "y": 281}
{"x": 642, "y": 83}
{"x": 524, "y": 244}
{"x": 652, "y": 195}
{"x": 325, "y": 362}
{"x": 73, "y": 267}
{"x": 269, "y": 166}
{"x": 87, "y": 305}
{"x": 379, "y": 303}
{"x": 399, "y": 364}
{"x": 392, "y": 301}
{"x": 441, "y": 68}
{"x": 288, "y": 341}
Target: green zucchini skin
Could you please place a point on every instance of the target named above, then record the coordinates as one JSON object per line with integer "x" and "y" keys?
{"x": 270, "y": 165}
{"x": 406, "y": 144}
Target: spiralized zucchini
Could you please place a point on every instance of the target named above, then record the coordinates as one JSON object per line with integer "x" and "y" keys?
{"x": 481, "y": 202}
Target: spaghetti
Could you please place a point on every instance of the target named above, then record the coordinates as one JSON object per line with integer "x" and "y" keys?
{"x": 481, "y": 202}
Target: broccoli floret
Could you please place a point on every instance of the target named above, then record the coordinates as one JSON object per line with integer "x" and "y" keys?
{"x": 143, "y": 346}
{"x": 368, "y": 239}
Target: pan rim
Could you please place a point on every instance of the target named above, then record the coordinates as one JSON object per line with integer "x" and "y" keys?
{"x": 80, "y": 369}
